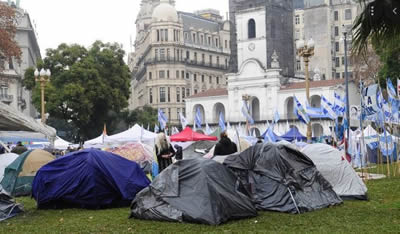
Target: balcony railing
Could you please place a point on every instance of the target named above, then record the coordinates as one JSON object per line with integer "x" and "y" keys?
{"x": 6, "y": 98}
{"x": 187, "y": 62}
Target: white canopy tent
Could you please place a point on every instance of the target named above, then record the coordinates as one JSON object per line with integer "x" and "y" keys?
{"x": 338, "y": 171}
{"x": 134, "y": 134}
{"x": 98, "y": 142}
{"x": 61, "y": 144}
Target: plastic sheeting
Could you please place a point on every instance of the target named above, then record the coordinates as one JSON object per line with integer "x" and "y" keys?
{"x": 194, "y": 190}
{"x": 88, "y": 179}
{"x": 8, "y": 207}
{"x": 282, "y": 179}
{"x": 199, "y": 148}
{"x": 330, "y": 162}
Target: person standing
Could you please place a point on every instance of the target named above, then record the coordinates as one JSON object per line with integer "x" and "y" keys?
{"x": 225, "y": 146}
{"x": 164, "y": 152}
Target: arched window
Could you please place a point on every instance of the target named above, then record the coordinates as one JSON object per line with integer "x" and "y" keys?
{"x": 251, "y": 25}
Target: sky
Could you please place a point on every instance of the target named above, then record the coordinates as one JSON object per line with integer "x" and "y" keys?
{"x": 85, "y": 21}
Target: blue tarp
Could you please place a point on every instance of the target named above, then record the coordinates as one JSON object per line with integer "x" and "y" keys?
{"x": 293, "y": 134}
{"x": 88, "y": 179}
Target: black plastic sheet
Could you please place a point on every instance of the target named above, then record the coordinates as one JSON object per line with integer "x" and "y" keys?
{"x": 194, "y": 190}
{"x": 280, "y": 178}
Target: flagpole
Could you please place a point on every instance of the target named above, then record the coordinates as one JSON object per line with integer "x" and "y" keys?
{"x": 386, "y": 140}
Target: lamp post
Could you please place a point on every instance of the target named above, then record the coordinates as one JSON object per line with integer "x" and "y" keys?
{"x": 347, "y": 86}
{"x": 306, "y": 51}
{"x": 42, "y": 77}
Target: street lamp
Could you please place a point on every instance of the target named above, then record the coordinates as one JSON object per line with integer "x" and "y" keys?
{"x": 344, "y": 29}
{"x": 306, "y": 51}
{"x": 42, "y": 77}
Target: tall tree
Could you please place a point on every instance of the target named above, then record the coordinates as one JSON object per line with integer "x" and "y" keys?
{"x": 8, "y": 28}
{"x": 85, "y": 87}
{"x": 379, "y": 21}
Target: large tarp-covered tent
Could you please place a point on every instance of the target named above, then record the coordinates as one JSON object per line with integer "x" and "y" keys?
{"x": 88, "y": 179}
{"x": 283, "y": 179}
{"x": 330, "y": 162}
{"x": 293, "y": 134}
{"x": 189, "y": 135}
{"x": 18, "y": 176}
{"x": 8, "y": 207}
{"x": 194, "y": 190}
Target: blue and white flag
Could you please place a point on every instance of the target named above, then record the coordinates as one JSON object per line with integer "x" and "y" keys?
{"x": 300, "y": 112}
{"x": 156, "y": 128}
{"x": 386, "y": 144}
{"x": 246, "y": 113}
{"x": 391, "y": 91}
{"x": 222, "y": 122}
{"x": 387, "y": 111}
{"x": 395, "y": 111}
{"x": 270, "y": 136}
{"x": 198, "y": 118}
{"x": 208, "y": 130}
{"x": 339, "y": 105}
{"x": 162, "y": 119}
{"x": 370, "y": 102}
{"x": 183, "y": 120}
{"x": 276, "y": 116}
{"x": 328, "y": 107}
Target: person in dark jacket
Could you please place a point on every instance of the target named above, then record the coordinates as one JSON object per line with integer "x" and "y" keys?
{"x": 164, "y": 152}
{"x": 179, "y": 152}
{"x": 225, "y": 146}
{"x": 19, "y": 149}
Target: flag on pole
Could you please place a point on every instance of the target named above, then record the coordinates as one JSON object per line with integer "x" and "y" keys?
{"x": 208, "y": 129}
{"x": 246, "y": 112}
{"x": 391, "y": 91}
{"x": 198, "y": 118}
{"x": 339, "y": 105}
{"x": 276, "y": 116}
{"x": 386, "y": 143}
{"x": 300, "y": 112}
{"x": 222, "y": 122}
{"x": 328, "y": 107}
{"x": 228, "y": 126}
{"x": 287, "y": 125}
{"x": 156, "y": 128}
{"x": 183, "y": 120}
{"x": 162, "y": 119}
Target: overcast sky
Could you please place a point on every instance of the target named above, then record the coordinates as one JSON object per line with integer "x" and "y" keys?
{"x": 85, "y": 21}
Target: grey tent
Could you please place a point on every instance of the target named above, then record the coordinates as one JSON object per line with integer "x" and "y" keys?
{"x": 282, "y": 179}
{"x": 194, "y": 190}
{"x": 8, "y": 207}
{"x": 338, "y": 171}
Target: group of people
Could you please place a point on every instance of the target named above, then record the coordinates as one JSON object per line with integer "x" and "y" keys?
{"x": 18, "y": 149}
{"x": 165, "y": 152}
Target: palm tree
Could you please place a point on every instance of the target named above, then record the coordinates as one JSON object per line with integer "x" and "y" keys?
{"x": 377, "y": 23}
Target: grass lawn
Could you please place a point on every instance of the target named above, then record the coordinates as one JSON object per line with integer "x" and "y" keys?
{"x": 380, "y": 214}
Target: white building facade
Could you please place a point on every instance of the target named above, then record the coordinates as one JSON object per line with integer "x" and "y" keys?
{"x": 265, "y": 90}
{"x": 12, "y": 91}
{"x": 177, "y": 54}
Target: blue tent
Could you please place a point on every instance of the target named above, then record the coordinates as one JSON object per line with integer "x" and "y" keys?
{"x": 278, "y": 138}
{"x": 88, "y": 179}
{"x": 293, "y": 134}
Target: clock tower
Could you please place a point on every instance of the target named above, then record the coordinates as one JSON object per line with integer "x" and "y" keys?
{"x": 251, "y": 35}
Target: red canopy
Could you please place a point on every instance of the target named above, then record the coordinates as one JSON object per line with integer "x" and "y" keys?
{"x": 188, "y": 135}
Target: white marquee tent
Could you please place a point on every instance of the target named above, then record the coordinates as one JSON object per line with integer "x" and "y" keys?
{"x": 134, "y": 134}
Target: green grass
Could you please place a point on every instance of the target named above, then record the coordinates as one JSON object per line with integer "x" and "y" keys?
{"x": 380, "y": 214}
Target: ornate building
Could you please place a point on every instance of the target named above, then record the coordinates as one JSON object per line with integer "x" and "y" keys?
{"x": 11, "y": 89}
{"x": 177, "y": 54}
{"x": 260, "y": 82}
